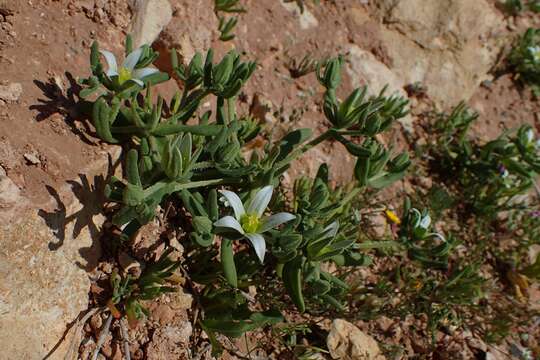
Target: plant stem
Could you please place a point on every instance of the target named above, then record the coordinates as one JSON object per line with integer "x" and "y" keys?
{"x": 125, "y": 337}
{"x": 168, "y": 187}
{"x": 300, "y": 151}
{"x": 231, "y": 109}
{"x": 78, "y": 327}
{"x": 102, "y": 336}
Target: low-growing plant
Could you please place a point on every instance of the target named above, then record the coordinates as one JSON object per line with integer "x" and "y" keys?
{"x": 491, "y": 175}
{"x": 303, "y": 67}
{"x": 423, "y": 276}
{"x": 226, "y": 25}
{"x": 428, "y": 247}
{"x": 128, "y": 292}
{"x": 173, "y": 151}
{"x": 514, "y": 7}
{"x": 525, "y": 59}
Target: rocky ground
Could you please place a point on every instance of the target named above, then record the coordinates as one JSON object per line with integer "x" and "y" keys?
{"x": 52, "y": 170}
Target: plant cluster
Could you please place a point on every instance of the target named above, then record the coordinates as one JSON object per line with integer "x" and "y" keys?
{"x": 491, "y": 175}
{"x": 298, "y": 68}
{"x": 525, "y": 59}
{"x": 173, "y": 151}
{"x": 515, "y": 7}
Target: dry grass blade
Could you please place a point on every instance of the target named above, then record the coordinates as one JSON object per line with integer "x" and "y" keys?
{"x": 102, "y": 336}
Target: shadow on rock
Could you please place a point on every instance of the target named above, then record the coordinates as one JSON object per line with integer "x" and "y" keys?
{"x": 68, "y": 223}
{"x": 65, "y": 102}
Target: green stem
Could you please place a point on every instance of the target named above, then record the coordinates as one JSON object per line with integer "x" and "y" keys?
{"x": 227, "y": 262}
{"x": 300, "y": 151}
{"x": 220, "y": 111}
{"x": 169, "y": 187}
{"x": 231, "y": 108}
{"x": 350, "y": 196}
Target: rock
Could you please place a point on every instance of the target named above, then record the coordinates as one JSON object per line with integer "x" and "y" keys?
{"x": 534, "y": 251}
{"x": 146, "y": 238}
{"x": 379, "y": 225}
{"x": 51, "y": 246}
{"x": 170, "y": 342}
{"x": 364, "y": 69}
{"x": 445, "y": 46}
{"x": 9, "y": 192}
{"x": 180, "y": 300}
{"x": 495, "y": 353}
{"x": 32, "y": 159}
{"x": 8, "y": 155}
{"x": 306, "y": 19}
{"x": 11, "y": 92}
{"x": 191, "y": 30}
{"x": 163, "y": 314}
{"x": 96, "y": 322}
{"x": 150, "y": 18}
{"x": 347, "y": 342}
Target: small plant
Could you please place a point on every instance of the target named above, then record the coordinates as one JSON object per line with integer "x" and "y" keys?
{"x": 167, "y": 158}
{"x": 129, "y": 292}
{"x": 430, "y": 248}
{"x": 491, "y": 175}
{"x": 425, "y": 278}
{"x": 226, "y": 26}
{"x": 303, "y": 67}
{"x": 514, "y": 7}
{"x": 525, "y": 59}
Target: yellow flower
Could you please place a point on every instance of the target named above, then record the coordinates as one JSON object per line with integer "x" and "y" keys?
{"x": 392, "y": 217}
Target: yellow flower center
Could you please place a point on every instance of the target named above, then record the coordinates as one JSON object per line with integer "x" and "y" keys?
{"x": 250, "y": 223}
{"x": 124, "y": 75}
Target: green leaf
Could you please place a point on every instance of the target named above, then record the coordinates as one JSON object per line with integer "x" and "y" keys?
{"x": 292, "y": 279}
{"x": 385, "y": 179}
{"x": 227, "y": 262}
{"x": 235, "y": 328}
{"x": 291, "y": 140}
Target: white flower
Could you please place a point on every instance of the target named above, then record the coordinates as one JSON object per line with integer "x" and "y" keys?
{"x": 425, "y": 222}
{"x": 421, "y": 224}
{"x": 535, "y": 52}
{"x": 530, "y": 136}
{"x": 249, "y": 221}
{"x": 127, "y": 71}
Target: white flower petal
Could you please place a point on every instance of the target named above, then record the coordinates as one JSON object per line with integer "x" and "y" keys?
{"x": 229, "y": 222}
{"x": 257, "y": 240}
{"x": 439, "y": 236}
{"x": 111, "y": 62}
{"x": 530, "y": 135}
{"x": 261, "y": 201}
{"x": 276, "y": 220}
{"x": 132, "y": 59}
{"x": 141, "y": 73}
{"x": 234, "y": 202}
{"x": 137, "y": 81}
{"x": 331, "y": 230}
{"x": 425, "y": 222}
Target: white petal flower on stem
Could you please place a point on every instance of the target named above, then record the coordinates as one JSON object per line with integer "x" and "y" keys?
{"x": 249, "y": 221}
{"x": 127, "y": 71}
{"x": 535, "y": 52}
